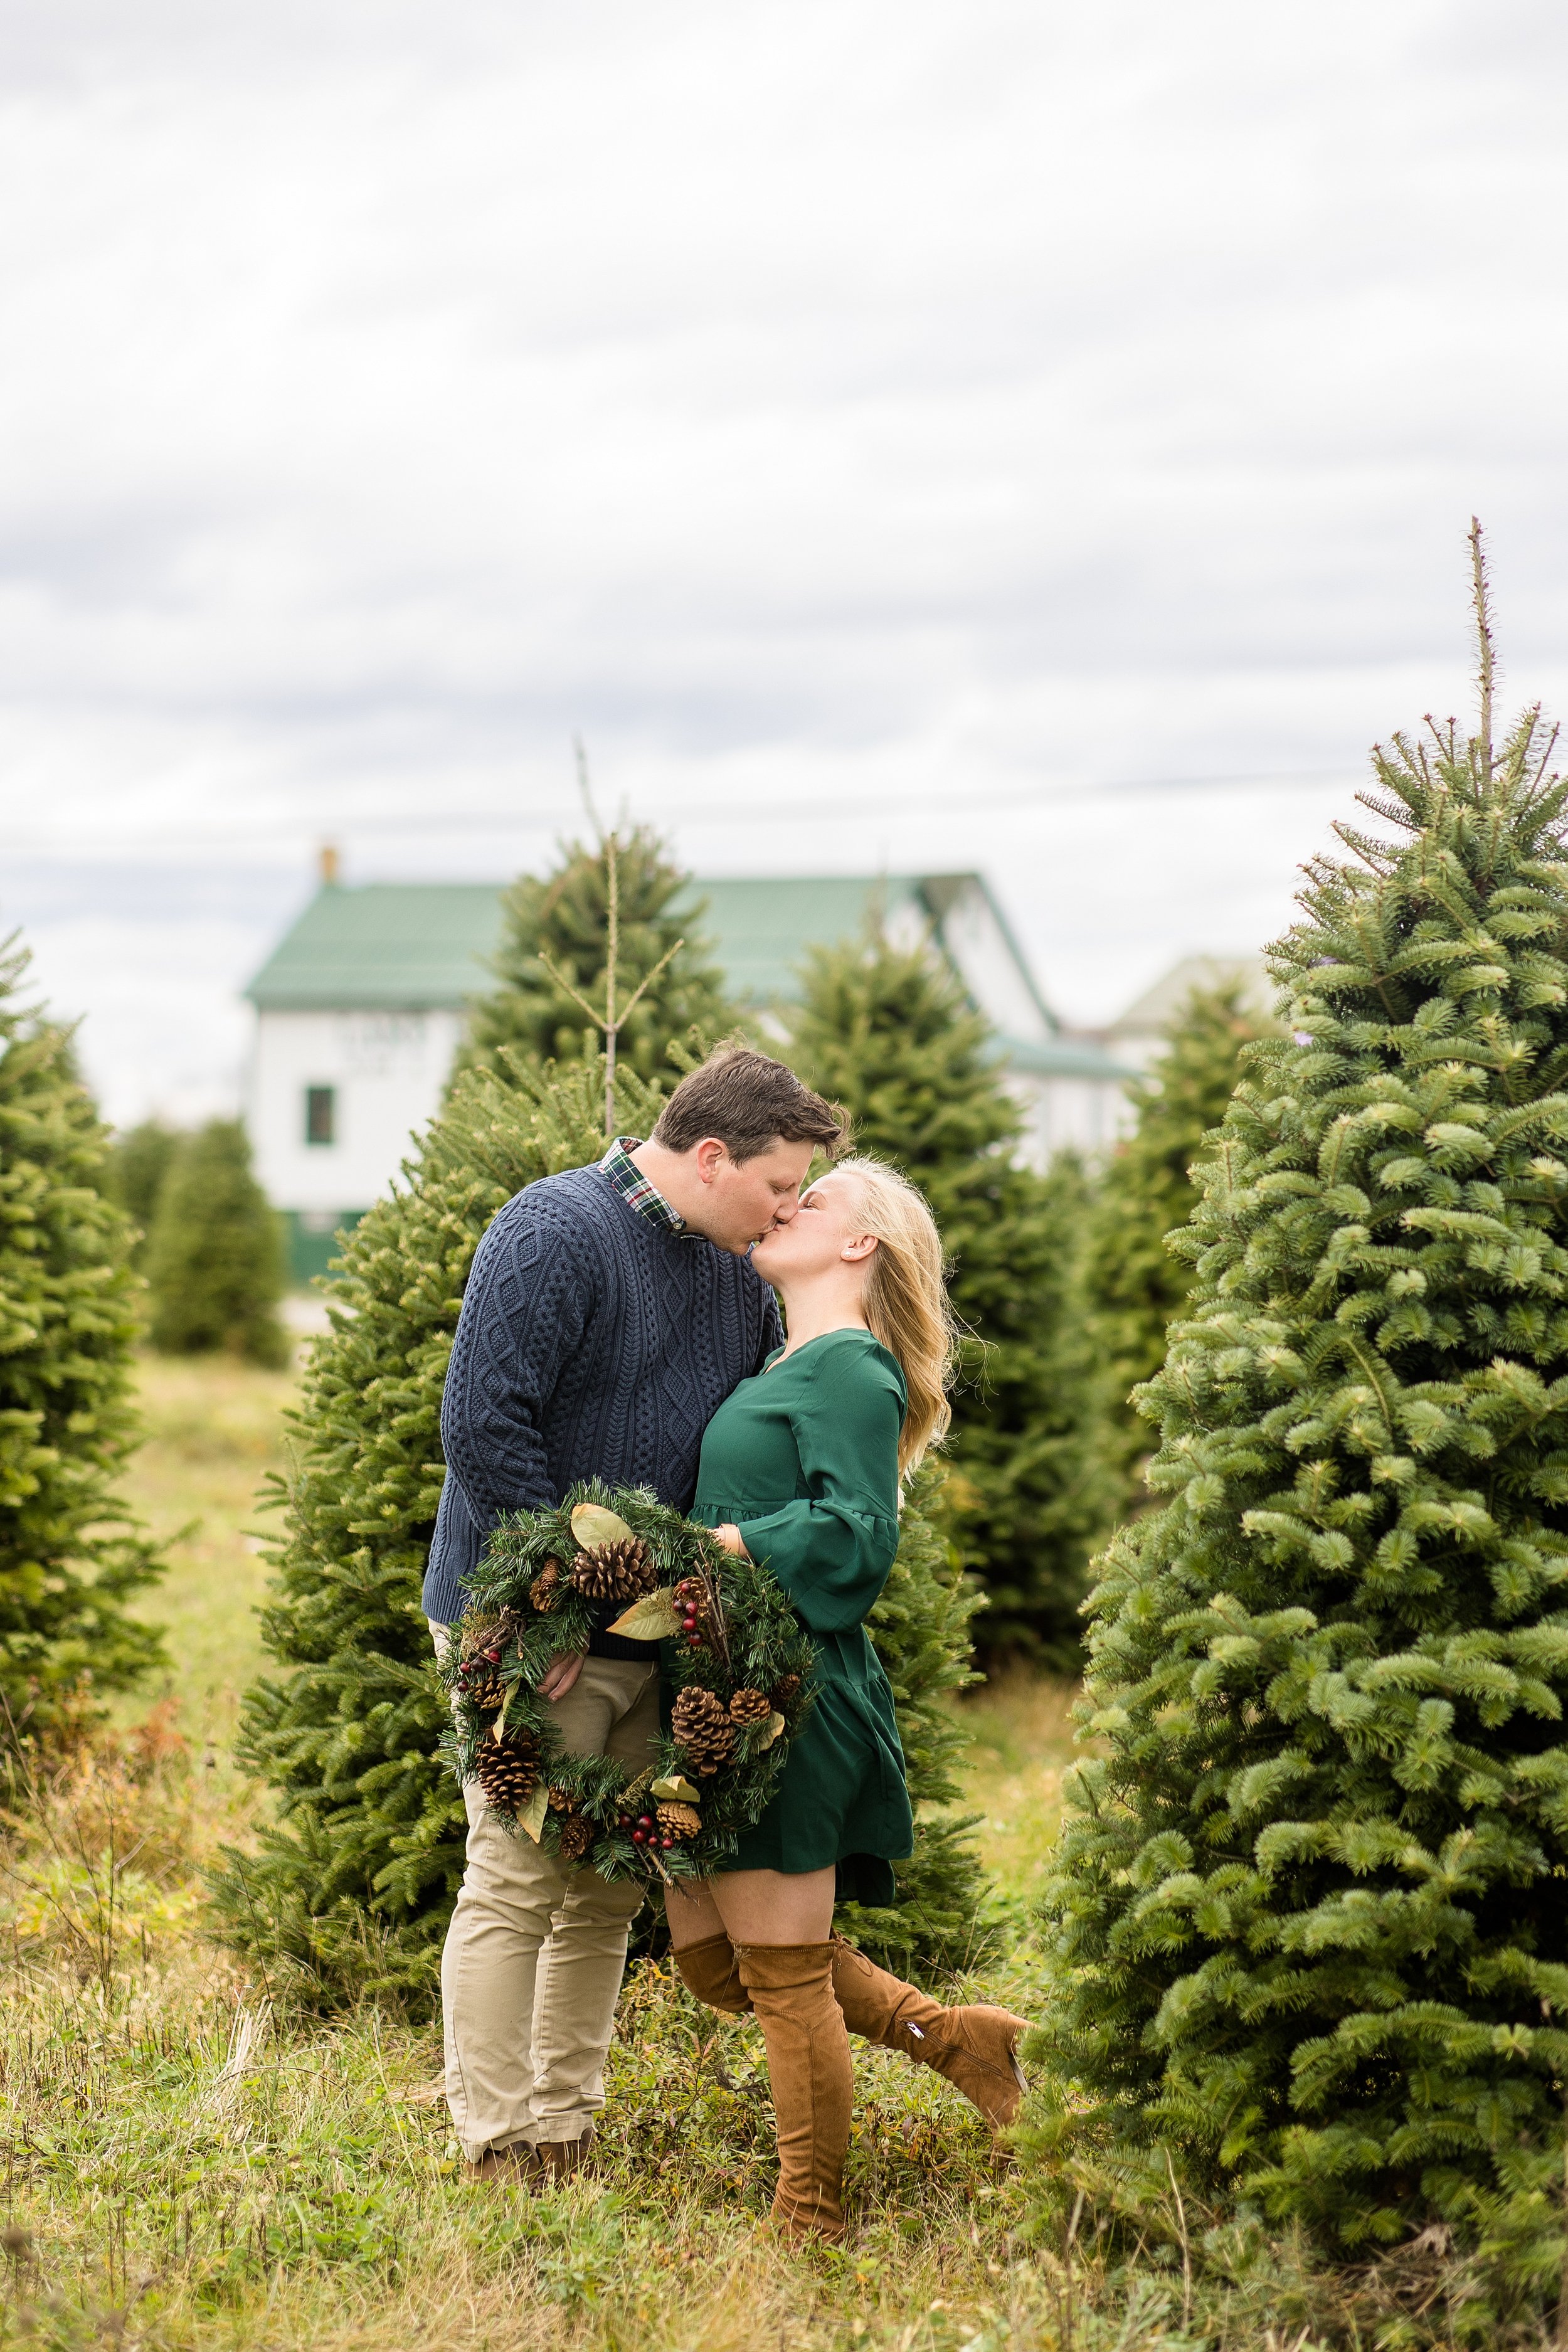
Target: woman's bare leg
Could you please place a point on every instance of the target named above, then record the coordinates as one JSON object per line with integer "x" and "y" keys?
{"x": 775, "y": 1907}
{"x": 691, "y": 1914}
{"x": 772, "y": 1904}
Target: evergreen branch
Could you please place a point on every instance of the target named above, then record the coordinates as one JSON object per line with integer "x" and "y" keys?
{"x": 640, "y": 990}
{"x": 576, "y": 994}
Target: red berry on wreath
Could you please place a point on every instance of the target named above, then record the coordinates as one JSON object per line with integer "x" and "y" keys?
{"x": 667, "y": 1844}
{"x": 639, "y": 1837}
{"x": 494, "y": 1657}
{"x": 695, "y": 1643}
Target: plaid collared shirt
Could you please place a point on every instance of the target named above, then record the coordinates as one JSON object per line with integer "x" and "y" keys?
{"x": 637, "y": 1191}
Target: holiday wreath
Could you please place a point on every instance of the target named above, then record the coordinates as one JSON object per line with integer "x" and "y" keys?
{"x": 735, "y": 1656}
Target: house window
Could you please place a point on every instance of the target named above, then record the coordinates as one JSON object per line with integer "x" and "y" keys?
{"x": 320, "y": 1114}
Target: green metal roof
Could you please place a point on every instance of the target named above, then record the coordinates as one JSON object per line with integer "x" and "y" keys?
{"x": 384, "y": 947}
{"x": 1060, "y": 1057}
{"x": 396, "y": 945}
{"x": 411, "y": 946}
{"x": 761, "y": 928}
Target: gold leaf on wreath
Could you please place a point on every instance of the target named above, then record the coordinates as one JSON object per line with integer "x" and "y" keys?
{"x": 775, "y": 1725}
{"x": 654, "y": 1618}
{"x": 677, "y": 1790}
{"x": 531, "y": 1818}
{"x": 593, "y": 1525}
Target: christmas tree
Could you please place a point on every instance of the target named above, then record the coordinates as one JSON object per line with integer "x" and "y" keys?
{"x": 69, "y": 1558}
{"x": 215, "y": 1255}
{"x": 138, "y": 1163}
{"x": 354, "y": 1884}
{"x": 1309, "y": 1917}
{"x": 1133, "y": 1284}
{"x": 888, "y": 1030}
{"x": 920, "y": 1629}
{"x": 556, "y": 953}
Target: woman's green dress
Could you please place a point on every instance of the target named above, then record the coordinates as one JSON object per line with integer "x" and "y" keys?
{"x": 804, "y": 1459}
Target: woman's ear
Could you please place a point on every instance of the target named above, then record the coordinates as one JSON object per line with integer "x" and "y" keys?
{"x": 861, "y": 1246}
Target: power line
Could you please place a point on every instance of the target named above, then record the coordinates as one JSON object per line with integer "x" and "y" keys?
{"x": 951, "y": 800}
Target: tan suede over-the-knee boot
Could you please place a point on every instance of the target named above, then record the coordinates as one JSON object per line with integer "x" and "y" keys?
{"x": 974, "y": 2047}
{"x": 812, "y": 2079}
{"x": 709, "y": 1969}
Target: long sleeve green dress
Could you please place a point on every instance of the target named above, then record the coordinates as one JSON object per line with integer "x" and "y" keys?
{"x": 804, "y": 1460}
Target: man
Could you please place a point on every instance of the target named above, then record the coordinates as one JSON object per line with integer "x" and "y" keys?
{"x": 609, "y": 1313}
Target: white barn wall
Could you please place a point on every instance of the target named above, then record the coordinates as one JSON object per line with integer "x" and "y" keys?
{"x": 387, "y": 1071}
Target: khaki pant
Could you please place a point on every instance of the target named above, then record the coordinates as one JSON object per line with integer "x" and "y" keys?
{"x": 535, "y": 1953}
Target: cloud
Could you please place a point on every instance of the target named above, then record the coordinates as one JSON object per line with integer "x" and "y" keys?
{"x": 878, "y": 412}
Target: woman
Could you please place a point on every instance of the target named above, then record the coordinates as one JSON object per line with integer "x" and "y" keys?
{"x": 801, "y": 1468}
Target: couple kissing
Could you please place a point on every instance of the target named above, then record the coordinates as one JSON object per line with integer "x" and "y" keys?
{"x": 621, "y": 1321}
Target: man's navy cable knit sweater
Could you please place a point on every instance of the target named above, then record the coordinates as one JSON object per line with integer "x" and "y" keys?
{"x": 590, "y": 1344}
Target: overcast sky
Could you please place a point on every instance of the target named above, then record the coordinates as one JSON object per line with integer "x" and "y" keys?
{"x": 895, "y": 435}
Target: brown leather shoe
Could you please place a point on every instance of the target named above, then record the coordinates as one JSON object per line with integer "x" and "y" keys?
{"x": 559, "y": 2159}
{"x": 516, "y": 2166}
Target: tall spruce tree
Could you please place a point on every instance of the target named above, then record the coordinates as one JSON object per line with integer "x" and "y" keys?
{"x": 353, "y": 1885}
{"x": 70, "y": 1560}
{"x": 564, "y": 919}
{"x": 1309, "y": 1917}
{"x": 888, "y": 1030}
{"x": 138, "y": 1163}
{"x": 215, "y": 1255}
{"x": 1133, "y": 1285}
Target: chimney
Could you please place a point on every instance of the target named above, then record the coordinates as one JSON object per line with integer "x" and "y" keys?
{"x": 329, "y": 865}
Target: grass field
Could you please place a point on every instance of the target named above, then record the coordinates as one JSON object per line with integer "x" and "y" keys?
{"x": 214, "y": 1431}
{"x": 184, "y": 2166}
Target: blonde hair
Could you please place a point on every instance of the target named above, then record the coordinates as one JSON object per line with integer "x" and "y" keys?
{"x": 905, "y": 1303}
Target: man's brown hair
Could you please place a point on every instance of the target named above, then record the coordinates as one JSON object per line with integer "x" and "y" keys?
{"x": 748, "y": 1102}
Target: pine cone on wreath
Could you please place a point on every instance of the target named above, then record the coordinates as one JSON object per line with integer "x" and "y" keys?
{"x": 615, "y": 1571}
{"x": 509, "y": 1771}
{"x": 699, "y": 1725}
{"x": 560, "y": 1800}
{"x": 749, "y": 1707}
{"x": 677, "y": 1821}
{"x": 481, "y": 1685}
{"x": 545, "y": 1589}
{"x": 786, "y": 1692}
{"x": 577, "y": 1837}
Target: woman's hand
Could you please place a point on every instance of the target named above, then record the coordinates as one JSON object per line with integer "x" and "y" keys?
{"x": 559, "y": 1675}
{"x": 728, "y": 1539}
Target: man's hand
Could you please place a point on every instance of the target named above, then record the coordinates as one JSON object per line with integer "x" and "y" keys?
{"x": 731, "y": 1539}
{"x": 559, "y": 1675}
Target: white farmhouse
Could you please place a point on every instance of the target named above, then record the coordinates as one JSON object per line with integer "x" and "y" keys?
{"x": 360, "y": 1005}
